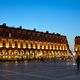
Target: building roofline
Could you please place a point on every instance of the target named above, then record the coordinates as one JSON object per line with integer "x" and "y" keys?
{"x": 34, "y": 30}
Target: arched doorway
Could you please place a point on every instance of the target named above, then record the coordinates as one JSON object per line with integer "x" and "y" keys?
{"x": 21, "y": 52}
{"x": 40, "y": 55}
{"x": 36, "y": 54}
{"x": 10, "y": 52}
{"x": 27, "y": 54}
{"x": 10, "y": 55}
{"x": 16, "y": 54}
{"x": 31, "y": 54}
{"x": 45, "y": 54}
{"x": 4, "y": 54}
{"x": 21, "y": 55}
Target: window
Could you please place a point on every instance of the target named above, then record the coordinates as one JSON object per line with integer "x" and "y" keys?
{"x": 44, "y": 47}
{"x": 4, "y": 44}
{"x": 10, "y": 45}
{"x": 48, "y": 47}
{"x": 52, "y": 46}
{"x": 3, "y": 34}
{"x": 9, "y": 35}
{"x": 31, "y": 45}
{"x": 21, "y": 45}
{"x": 26, "y": 45}
{"x": 15, "y": 43}
{"x": 36, "y": 45}
{"x": 40, "y": 46}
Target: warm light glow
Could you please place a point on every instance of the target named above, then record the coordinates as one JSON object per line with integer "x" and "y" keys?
{"x": 18, "y": 46}
{"x": 66, "y": 48}
{"x": 0, "y": 46}
{"x": 13, "y": 46}
{"x": 75, "y": 49}
{"x": 46, "y": 47}
{"x": 50, "y": 48}
{"x": 24, "y": 47}
{"x": 7, "y": 46}
{"x": 53, "y": 47}
{"x": 6, "y": 56}
{"x": 25, "y": 56}
{"x": 33, "y": 46}
{"x": 29, "y": 46}
{"x": 57, "y": 47}
{"x": 63, "y": 47}
{"x": 38, "y": 46}
{"x": 42, "y": 47}
{"x": 39, "y": 54}
{"x": 60, "y": 47}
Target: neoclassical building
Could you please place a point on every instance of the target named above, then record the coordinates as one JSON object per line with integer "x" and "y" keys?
{"x": 24, "y": 44}
{"x": 77, "y": 45}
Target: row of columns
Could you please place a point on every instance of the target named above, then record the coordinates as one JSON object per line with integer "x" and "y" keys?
{"x": 32, "y": 44}
{"x": 30, "y": 54}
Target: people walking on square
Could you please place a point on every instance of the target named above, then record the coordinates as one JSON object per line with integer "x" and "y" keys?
{"x": 78, "y": 61}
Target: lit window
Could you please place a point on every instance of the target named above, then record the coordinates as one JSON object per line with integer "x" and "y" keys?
{"x": 53, "y": 47}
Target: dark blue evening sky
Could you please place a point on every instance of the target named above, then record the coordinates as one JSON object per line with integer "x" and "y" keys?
{"x": 59, "y": 16}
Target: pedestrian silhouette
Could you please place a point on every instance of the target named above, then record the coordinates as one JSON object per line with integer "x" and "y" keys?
{"x": 78, "y": 61}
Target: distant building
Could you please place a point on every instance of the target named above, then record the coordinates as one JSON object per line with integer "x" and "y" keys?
{"x": 77, "y": 45}
{"x": 23, "y": 44}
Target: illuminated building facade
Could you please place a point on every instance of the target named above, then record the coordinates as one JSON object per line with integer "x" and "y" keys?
{"x": 23, "y": 44}
{"x": 77, "y": 45}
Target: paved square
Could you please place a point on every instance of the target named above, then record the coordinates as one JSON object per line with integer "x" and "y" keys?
{"x": 38, "y": 71}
